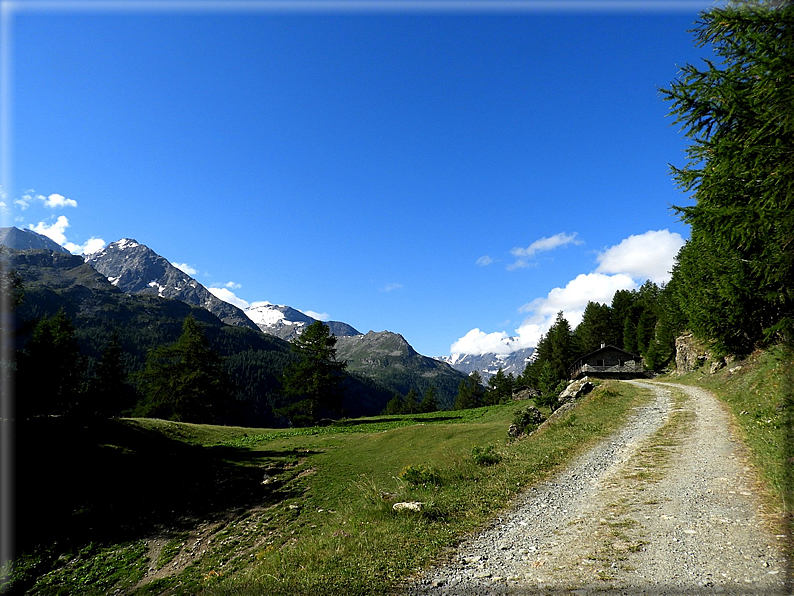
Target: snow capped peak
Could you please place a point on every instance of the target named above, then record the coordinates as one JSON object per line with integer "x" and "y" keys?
{"x": 126, "y": 243}
{"x": 489, "y": 363}
{"x": 452, "y": 359}
{"x": 264, "y": 314}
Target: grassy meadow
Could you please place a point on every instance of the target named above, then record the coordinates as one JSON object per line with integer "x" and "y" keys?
{"x": 141, "y": 506}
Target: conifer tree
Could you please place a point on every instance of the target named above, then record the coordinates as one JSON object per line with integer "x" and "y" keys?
{"x": 470, "y": 392}
{"x": 110, "y": 393}
{"x": 314, "y": 380}
{"x": 500, "y": 388}
{"x": 596, "y": 328}
{"x": 411, "y": 402}
{"x": 429, "y": 401}
{"x": 737, "y": 113}
{"x": 50, "y": 369}
{"x": 185, "y": 381}
{"x": 395, "y": 406}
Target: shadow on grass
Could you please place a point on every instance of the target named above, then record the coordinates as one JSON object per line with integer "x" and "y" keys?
{"x": 253, "y": 455}
{"x": 402, "y": 418}
{"x": 104, "y": 481}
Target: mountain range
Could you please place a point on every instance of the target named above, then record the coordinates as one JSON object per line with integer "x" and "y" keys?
{"x": 136, "y": 269}
{"x": 488, "y": 364}
{"x": 28, "y": 239}
{"x": 129, "y": 289}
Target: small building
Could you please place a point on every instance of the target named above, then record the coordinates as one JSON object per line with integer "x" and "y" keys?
{"x": 608, "y": 362}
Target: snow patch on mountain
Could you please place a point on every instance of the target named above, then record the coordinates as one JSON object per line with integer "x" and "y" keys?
{"x": 489, "y": 364}
{"x": 287, "y": 322}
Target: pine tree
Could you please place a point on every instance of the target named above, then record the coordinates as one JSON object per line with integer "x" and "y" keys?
{"x": 470, "y": 392}
{"x": 553, "y": 356}
{"x": 429, "y": 401}
{"x": 110, "y": 393}
{"x": 500, "y": 388}
{"x": 50, "y": 374}
{"x": 314, "y": 379}
{"x": 186, "y": 381}
{"x": 596, "y": 328}
{"x": 622, "y": 306}
{"x": 411, "y": 402}
{"x": 737, "y": 113}
{"x": 395, "y": 406}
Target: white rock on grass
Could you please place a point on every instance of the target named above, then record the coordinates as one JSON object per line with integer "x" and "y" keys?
{"x": 408, "y": 506}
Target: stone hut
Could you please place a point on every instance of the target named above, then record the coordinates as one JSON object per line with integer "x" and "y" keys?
{"x": 608, "y": 362}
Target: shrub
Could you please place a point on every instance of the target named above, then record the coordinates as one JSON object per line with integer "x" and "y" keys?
{"x": 420, "y": 476}
{"x": 527, "y": 419}
{"x": 485, "y": 456}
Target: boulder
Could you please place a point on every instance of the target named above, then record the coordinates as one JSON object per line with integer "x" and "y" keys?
{"x": 575, "y": 390}
{"x": 408, "y": 506}
{"x": 525, "y": 394}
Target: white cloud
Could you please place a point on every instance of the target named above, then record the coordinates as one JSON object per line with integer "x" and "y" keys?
{"x": 391, "y": 287}
{"x": 228, "y": 296}
{"x": 479, "y": 342}
{"x": 92, "y": 245}
{"x": 55, "y": 201}
{"x": 55, "y": 231}
{"x": 24, "y": 202}
{"x": 499, "y": 342}
{"x": 545, "y": 244}
{"x": 185, "y": 268}
{"x": 233, "y": 285}
{"x": 623, "y": 266}
{"x": 573, "y": 298}
{"x": 529, "y": 334}
{"x": 484, "y": 261}
{"x": 643, "y": 256}
{"x": 541, "y": 245}
{"x": 320, "y": 316}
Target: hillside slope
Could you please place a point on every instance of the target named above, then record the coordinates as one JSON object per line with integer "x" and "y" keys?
{"x": 389, "y": 359}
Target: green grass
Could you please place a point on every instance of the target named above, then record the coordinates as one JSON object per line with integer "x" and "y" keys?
{"x": 304, "y": 511}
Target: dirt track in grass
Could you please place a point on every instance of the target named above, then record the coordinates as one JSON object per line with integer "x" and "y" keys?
{"x": 668, "y": 505}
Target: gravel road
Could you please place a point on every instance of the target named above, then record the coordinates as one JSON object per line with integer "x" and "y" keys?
{"x": 665, "y": 506}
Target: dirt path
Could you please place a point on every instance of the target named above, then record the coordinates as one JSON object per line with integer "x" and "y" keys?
{"x": 666, "y": 506}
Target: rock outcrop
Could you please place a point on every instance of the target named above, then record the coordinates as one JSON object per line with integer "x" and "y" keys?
{"x": 575, "y": 390}
{"x": 690, "y": 354}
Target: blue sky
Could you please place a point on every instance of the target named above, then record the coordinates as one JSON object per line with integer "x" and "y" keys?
{"x": 455, "y": 173}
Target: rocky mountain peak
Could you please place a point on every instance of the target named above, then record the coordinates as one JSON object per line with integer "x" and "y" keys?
{"x": 135, "y": 268}
{"x": 488, "y": 364}
{"x": 18, "y": 239}
{"x": 288, "y": 323}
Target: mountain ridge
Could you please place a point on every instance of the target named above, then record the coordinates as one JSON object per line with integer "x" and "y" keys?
{"x": 489, "y": 363}
{"x": 288, "y": 323}
{"x": 21, "y": 239}
{"x": 135, "y": 268}
{"x": 388, "y": 358}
